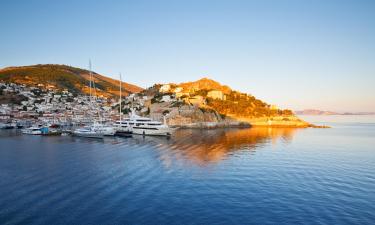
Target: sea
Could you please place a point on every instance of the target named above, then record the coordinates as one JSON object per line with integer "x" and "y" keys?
{"x": 221, "y": 176}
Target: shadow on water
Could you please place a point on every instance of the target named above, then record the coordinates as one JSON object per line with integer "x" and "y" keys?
{"x": 203, "y": 147}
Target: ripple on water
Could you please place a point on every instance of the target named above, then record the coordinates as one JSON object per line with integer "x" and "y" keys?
{"x": 226, "y": 176}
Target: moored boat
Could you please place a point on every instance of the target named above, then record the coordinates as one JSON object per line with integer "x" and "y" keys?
{"x": 7, "y": 125}
{"x": 144, "y": 126}
{"x": 106, "y": 130}
{"x": 32, "y": 131}
{"x": 48, "y": 131}
{"x": 87, "y": 132}
{"x": 122, "y": 130}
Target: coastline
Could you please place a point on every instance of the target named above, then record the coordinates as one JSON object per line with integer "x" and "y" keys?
{"x": 270, "y": 122}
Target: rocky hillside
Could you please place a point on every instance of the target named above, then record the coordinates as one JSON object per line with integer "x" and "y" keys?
{"x": 206, "y": 102}
{"x": 74, "y": 79}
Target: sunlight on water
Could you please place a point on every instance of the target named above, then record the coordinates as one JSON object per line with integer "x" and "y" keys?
{"x": 211, "y": 146}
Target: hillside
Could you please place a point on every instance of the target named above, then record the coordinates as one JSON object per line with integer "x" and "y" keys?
{"x": 206, "y": 100}
{"x": 65, "y": 77}
{"x": 230, "y": 102}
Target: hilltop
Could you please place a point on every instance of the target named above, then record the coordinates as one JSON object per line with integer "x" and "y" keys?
{"x": 205, "y": 84}
{"x": 63, "y": 77}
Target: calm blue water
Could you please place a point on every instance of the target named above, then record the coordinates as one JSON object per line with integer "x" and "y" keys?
{"x": 250, "y": 176}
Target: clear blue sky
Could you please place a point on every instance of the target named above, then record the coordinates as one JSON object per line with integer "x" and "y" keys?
{"x": 296, "y": 54}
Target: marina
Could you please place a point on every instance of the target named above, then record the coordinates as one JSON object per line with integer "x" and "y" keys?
{"x": 123, "y": 128}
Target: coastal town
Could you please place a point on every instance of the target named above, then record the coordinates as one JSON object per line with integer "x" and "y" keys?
{"x": 42, "y": 106}
{"x": 71, "y": 99}
{"x": 187, "y": 106}
{"x": 48, "y": 105}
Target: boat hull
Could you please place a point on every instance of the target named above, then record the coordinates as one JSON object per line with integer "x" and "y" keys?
{"x": 152, "y": 132}
{"x": 32, "y": 132}
{"x": 105, "y": 130}
{"x": 88, "y": 135}
{"x": 123, "y": 134}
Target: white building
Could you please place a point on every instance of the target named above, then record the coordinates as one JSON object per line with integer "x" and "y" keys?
{"x": 216, "y": 94}
{"x": 165, "y": 88}
{"x": 178, "y": 90}
{"x": 166, "y": 98}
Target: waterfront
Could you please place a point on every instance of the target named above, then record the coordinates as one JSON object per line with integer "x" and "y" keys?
{"x": 224, "y": 176}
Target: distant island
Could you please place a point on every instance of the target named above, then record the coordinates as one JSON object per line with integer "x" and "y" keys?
{"x": 316, "y": 112}
{"x": 57, "y": 90}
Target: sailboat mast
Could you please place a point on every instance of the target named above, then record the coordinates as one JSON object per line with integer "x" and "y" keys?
{"x": 90, "y": 76}
{"x": 93, "y": 82}
{"x": 120, "y": 96}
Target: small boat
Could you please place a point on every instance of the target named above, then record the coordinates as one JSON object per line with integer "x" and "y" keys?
{"x": 32, "y": 131}
{"x": 87, "y": 132}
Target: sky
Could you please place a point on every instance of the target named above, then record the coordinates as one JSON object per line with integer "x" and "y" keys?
{"x": 295, "y": 54}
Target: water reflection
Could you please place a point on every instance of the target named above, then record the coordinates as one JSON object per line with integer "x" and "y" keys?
{"x": 201, "y": 147}
{"x": 209, "y": 146}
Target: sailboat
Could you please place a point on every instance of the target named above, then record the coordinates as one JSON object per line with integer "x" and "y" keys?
{"x": 92, "y": 131}
{"x": 140, "y": 125}
{"x": 122, "y": 129}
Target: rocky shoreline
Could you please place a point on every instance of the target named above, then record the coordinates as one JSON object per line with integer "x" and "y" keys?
{"x": 278, "y": 122}
{"x": 188, "y": 116}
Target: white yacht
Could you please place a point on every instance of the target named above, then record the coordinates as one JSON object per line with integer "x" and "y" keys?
{"x": 32, "y": 130}
{"x": 104, "y": 129}
{"x": 88, "y": 132}
{"x": 123, "y": 129}
{"x": 144, "y": 126}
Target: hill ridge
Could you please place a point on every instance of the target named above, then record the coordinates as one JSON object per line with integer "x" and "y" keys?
{"x": 65, "y": 77}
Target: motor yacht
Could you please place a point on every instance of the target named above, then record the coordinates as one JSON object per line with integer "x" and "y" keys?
{"x": 144, "y": 126}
